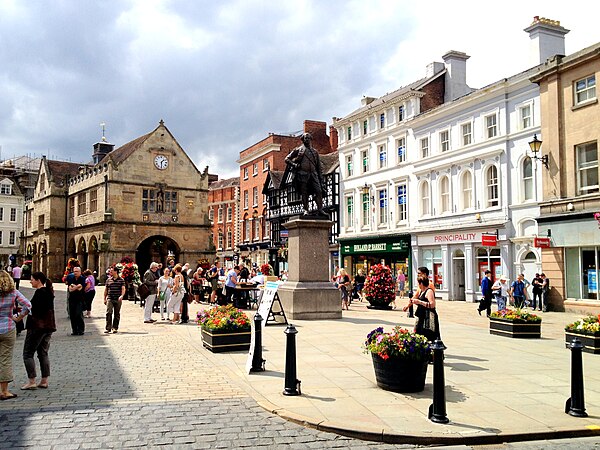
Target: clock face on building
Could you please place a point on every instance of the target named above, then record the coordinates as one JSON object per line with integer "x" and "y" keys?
{"x": 161, "y": 162}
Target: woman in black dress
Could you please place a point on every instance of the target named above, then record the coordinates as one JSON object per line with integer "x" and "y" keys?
{"x": 427, "y": 323}
{"x": 40, "y": 326}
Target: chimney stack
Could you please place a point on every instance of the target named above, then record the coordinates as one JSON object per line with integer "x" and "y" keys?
{"x": 456, "y": 76}
{"x": 547, "y": 39}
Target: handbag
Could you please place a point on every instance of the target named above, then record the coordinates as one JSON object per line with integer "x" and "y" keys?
{"x": 143, "y": 291}
{"x": 161, "y": 295}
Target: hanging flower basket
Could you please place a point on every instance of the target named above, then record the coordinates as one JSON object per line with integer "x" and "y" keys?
{"x": 380, "y": 288}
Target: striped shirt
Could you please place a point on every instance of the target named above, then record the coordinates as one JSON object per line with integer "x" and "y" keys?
{"x": 114, "y": 288}
{"x": 7, "y": 302}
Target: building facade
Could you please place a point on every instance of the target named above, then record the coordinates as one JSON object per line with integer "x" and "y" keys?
{"x": 447, "y": 184}
{"x": 285, "y": 203}
{"x": 223, "y": 212}
{"x": 11, "y": 221}
{"x": 146, "y": 200}
{"x": 255, "y": 162}
{"x": 571, "y": 194}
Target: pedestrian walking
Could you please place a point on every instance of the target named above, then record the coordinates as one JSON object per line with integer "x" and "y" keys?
{"x": 177, "y": 292}
{"x": 8, "y": 334}
{"x": 17, "y": 271}
{"x": 41, "y": 324}
{"x": 113, "y": 299}
{"x": 486, "y": 291}
{"x": 500, "y": 290}
{"x": 427, "y": 322}
{"x": 517, "y": 291}
{"x": 165, "y": 284}
{"x": 213, "y": 278}
{"x": 359, "y": 284}
{"x": 151, "y": 281}
{"x": 343, "y": 283}
{"x": 90, "y": 292}
{"x": 76, "y": 301}
{"x": 187, "y": 294}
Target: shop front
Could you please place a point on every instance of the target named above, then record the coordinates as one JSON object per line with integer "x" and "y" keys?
{"x": 572, "y": 261}
{"x": 457, "y": 261}
{"x": 393, "y": 251}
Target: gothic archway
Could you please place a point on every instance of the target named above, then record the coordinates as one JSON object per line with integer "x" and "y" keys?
{"x": 93, "y": 254}
{"x": 71, "y": 252}
{"x": 157, "y": 249}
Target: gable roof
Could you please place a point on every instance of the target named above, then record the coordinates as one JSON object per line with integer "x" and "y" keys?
{"x": 330, "y": 162}
{"x": 126, "y": 150}
{"x": 220, "y": 184}
{"x": 59, "y": 170}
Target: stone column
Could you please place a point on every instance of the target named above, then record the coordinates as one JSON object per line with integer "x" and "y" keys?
{"x": 308, "y": 294}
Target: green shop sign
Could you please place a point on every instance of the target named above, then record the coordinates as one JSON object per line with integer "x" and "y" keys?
{"x": 390, "y": 246}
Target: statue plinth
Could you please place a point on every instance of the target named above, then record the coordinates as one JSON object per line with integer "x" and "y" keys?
{"x": 308, "y": 294}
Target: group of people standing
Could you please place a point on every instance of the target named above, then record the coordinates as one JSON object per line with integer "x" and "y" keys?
{"x": 40, "y": 325}
{"x": 515, "y": 293}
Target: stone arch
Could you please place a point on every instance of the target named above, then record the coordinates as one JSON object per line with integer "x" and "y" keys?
{"x": 43, "y": 257}
{"x": 156, "y": 248}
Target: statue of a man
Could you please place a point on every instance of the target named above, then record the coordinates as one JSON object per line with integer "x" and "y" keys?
{"x": 305, "y": 163}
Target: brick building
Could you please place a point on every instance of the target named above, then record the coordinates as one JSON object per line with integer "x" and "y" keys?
{"x": 223, "y": 205}
{"x": 146, "y": 199}
{"x": 255, "y": 163}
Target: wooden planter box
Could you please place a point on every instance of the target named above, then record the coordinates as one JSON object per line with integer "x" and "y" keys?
{"x": 226, "y": 341}
{"x": 516, "y": 329}
{"x": 591, "y": 342}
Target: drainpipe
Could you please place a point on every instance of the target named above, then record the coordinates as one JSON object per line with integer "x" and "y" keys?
{"x": 66, "y": 218}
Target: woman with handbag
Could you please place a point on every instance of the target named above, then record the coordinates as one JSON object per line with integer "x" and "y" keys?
{"x": 177, "y": 292}
{"x": 427, "y": 323}
{"x": 165, "y": 284}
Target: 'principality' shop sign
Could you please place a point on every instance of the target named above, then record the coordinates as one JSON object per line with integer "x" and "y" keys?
{"x": 451, "y": 238}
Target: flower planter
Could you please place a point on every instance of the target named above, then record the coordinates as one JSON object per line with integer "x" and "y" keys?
{"x": 591, "y": 342}
{"x": 226, "y": 341}
{"x": 398, "y": 374}
{"x": 520, "y": 330}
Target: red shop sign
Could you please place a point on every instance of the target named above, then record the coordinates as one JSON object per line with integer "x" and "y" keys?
{"x": 489, "y": 240}
{"x": 541, "y": 242}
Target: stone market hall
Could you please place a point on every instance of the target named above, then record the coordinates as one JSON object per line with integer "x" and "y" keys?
{"x": 146, "y": 199}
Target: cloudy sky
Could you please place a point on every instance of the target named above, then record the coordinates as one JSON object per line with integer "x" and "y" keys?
{"x": 223, "y": 74}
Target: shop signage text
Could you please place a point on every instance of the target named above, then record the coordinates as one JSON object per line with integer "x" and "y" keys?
{"x": 378, "y": 247}
{"x": 375, "y": 247}
{"x": 464, "y": 237}
{"x": 541, "y": 242}
{"x": 489, "y": 240}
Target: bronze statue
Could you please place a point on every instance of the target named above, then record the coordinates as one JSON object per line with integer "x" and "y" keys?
{"x": 305, "y": 164}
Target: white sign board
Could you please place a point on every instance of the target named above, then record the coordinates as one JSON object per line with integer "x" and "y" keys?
{"x": 267, "y": 299}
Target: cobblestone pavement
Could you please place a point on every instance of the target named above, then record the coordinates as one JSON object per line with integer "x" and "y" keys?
{"x": 147, "y": 386}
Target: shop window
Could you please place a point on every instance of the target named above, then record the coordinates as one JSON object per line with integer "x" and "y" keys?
{"x": 527, "y": 177}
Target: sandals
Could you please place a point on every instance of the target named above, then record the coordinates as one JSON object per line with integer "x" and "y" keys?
{"x": 42, "y": 386}
{"x": 29, "y": 387}
{"x": 8, "y": 396}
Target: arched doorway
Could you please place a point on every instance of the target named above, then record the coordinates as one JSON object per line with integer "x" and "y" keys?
{"x": 158, "y": 249}
{"x": 71, "y": 253}
{"x": 529, "y": 262}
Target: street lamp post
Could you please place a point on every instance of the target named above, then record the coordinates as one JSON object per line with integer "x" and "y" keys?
{"x": 535, "y": 145}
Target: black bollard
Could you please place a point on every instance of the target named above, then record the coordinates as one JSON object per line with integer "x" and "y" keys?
{"x": 437, "y": 410}
{"x": 258, "y": 363}
{"x": 292, "y": 384}
{"x": 576, "y": 405}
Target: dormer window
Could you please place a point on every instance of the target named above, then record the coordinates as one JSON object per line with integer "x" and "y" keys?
{"x": 5, "y": 189}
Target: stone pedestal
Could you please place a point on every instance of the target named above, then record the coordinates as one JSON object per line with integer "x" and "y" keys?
{"x": 308, "y": 294}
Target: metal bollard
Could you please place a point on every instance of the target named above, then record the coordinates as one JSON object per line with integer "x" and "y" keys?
{"x": 292, "y": 384}
{"x": 437, "y": 410}
{"x": 258, "y": 363}
{"x": 576, "y": 405}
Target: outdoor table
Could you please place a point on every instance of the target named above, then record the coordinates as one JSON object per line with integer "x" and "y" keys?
{"x": 245, "y": 292}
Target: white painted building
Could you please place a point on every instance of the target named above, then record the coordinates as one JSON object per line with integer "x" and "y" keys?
{"x": 426, "y": 187}
{"x": 11, "y": 219}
